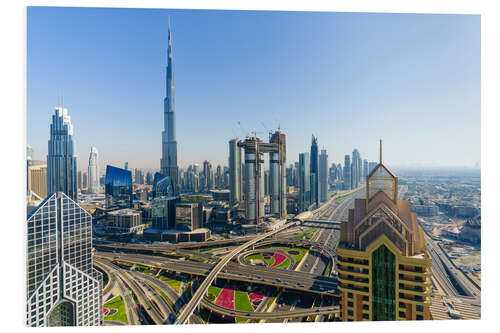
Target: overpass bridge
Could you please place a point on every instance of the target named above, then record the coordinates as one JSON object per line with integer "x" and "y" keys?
{"x": 269, "y": 315}
{"x": 202, "y": 290}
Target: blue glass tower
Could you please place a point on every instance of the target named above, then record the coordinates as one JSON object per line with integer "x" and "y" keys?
{"x": 61, "y": 158}
{"x": 168, "y": 162}
{"x": 118, "y": 188}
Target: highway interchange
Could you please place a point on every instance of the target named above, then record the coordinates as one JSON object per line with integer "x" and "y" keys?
{"x": 308, "y": 292}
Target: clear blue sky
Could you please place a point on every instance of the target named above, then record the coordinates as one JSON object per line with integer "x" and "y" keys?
{"x": 349, "y": 78}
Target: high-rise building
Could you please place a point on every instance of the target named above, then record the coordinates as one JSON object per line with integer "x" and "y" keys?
{"x": 207, "y": 176}
{"x": 277, "y": 174}
{"x": 37, "y": 179}
{"x": 85, "y": 180}
{"x": 138, "y": 176}
{"x": 304, "y": 182}
{"x": 30, "y": 155}
{"x": 80, "y": 179}
{"x": 168, "y": 162}
{"x": 323, "y": 176}
{"x": 118, "y": 188}
{"x": 126, "y": 166}
{"x": 314, "y": 171}
{"x": 63, "y": 288}
{"x": 383, "y": 266}
{"x": 93, "y": 171}
{"x": 365, "y": 169}
{"x": 149, "y": 178}
{"x": 61, "y": 158}
{"x": 355, "y": 169}
{"x": 254, "y": 176}
{"x": 347, "y": 172}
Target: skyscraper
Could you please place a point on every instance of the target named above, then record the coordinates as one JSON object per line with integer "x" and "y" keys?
{"x": 207, "y": 176}
{"x": 323, "y": 176}
{"x": 168, "y": 162}
{"x": 314, "y": 171}
{"x": 235, "y": 178}
{"x": 355, "y": 169}
{"x": 365, "y": 169}
{"x": 93, "y": 171}
{"x": 61, "y": 158}
{"x": 63, "y": 288}
{"x": 85, "y": 179}
{"x": 118, "y": 187}
{"x": 383, "y": 266}
{"x": 347, "y": 172}
{"x": 304, "y": 182}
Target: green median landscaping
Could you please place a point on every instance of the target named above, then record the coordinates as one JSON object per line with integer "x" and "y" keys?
{"x": 242, "y": 303}
{"x": 120, "y": 314}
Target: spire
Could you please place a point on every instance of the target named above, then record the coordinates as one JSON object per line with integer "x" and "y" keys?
{"x": 380, "y": 151}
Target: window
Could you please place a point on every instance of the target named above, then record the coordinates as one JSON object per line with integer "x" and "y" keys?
{"x": 420, "y": 308}
{"x": 402, "y": 314}
{"x": 350, "y": 304}
{"x": 420, "y": 317}
{"x": 350, "y": 295}
{"x": 366, "y": 316}
{"x": 350, "y": 313}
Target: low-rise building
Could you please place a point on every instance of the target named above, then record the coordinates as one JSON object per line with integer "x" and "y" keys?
{"x": 125, "y": 221}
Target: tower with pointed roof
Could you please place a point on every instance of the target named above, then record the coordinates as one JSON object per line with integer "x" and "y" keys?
{"x": 383, "y": 266}
{"x": 168, "y": 162}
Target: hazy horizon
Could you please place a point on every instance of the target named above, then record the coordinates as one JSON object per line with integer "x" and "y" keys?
{"x": 348, "y": 78}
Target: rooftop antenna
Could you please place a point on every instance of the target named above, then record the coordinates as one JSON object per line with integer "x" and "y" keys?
{"x": 380, "y": 151}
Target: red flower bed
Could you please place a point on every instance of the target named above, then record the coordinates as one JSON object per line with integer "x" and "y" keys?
{"x": 278, "y": 259}
{"x": 256, "y": 297}
{"x": 226, "y": 298}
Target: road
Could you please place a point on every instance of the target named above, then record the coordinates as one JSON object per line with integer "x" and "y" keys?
{"x": 198, "y": 295}
{"x": 130, "y": 306}
{"x": 269, "y": 315}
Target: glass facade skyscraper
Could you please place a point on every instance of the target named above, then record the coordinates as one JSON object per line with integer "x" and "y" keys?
{"x": 314, "y": 171}
{"x": 347, "y": 172}
{"x": 168, "y": 162}
{"x": 61, "y": 158}
{"x": 304, "y": 182}
{"x": 93, "y": 171}
{"x": 63, "y": 288}
{"x": 235, "y": 179}
{"x": 118, "y": 186}
{"x": 323, "y": 176}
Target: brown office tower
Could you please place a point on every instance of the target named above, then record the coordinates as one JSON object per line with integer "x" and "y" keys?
{"x": 382, "y": 264}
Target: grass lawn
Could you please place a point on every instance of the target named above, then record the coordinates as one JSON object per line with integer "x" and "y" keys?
{"x": 269, "y": 261}
{"x": 297, "y": 257}
{"x": 307, "y": 235}
{"x": 255, "y": 256}
{"x": 174, "y": 283}
{"x": 144, "y": 269}
{"x": 284, "y": 264}
{"x": 213, "y": 292}
{"x": 242, "y": 303}
{"x": 120, "y": 315}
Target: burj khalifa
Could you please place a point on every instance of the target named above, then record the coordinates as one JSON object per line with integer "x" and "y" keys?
{"x": 168, "y": 162}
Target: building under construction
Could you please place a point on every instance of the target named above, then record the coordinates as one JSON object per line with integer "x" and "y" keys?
{"x": 254, "y": 176}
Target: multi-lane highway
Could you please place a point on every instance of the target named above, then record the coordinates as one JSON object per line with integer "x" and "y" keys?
{"x": 198, "y": 295}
